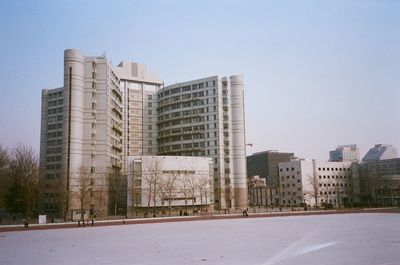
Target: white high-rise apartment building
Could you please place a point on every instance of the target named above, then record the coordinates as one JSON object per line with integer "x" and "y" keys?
{"x": 104, "y": 114}
{"x": 81, "y": 135}
{"x": 205, "y": 117}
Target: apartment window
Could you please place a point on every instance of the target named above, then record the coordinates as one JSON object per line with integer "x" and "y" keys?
{"x": 150, "y": 97}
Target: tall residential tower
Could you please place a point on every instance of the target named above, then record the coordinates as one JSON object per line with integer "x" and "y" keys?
{"x": 81, "y": 136}
{"x": 205, "y": 117}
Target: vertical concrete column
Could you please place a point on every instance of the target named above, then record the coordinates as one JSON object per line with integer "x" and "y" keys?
{"x": 74, "y": 85}
{"x": 238, "y": 142}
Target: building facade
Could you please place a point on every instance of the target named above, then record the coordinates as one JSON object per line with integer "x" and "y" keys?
{"x": 103, "y": 114}
{"x": 258, "y": 192}
{"x": 316, "y": 183}
{"x": 205, "y": 117}
{"x": 265, "y": 165}
{"x": 161, "y": 185}
{"x": 379, "y": 182}
{"x": 344, "y": 153}
{"x": 81, "y": 136}
{"x": 139, "y": 88}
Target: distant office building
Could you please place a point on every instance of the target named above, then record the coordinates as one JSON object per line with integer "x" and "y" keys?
{"x": 160, "y": 185}
{"x": 205, "y": 117}
{"x": 380, "y": 152}
{"x": 344, "y": 153}
{"x": 265, "y": 165}
{"x": 380, "y": 182}
{"x": 304, "y": 181}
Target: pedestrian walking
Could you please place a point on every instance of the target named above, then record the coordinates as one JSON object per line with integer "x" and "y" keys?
{"x": 245, "y": 212}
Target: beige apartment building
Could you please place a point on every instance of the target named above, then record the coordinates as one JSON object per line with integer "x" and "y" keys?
{"x": 205, "y": 117}
{"x": 103, "y": 114}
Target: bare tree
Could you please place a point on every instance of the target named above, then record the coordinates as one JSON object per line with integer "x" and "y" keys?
{"x": 100, "y": 194}
{"x": 170, "y": 186}
{"x": 191, "y": 185}
{"x": 4, "y": 158}
{"x": 186, "y": 190}
{"x": 83, "y": 189}
{"x": 115, "y": 185}
{"x": 203, "y": 184}
{"x": 152, "y": 178}
{"x": 22, "y": 195}
{"x": 5, "y": 179}
{"x": 313, "y": 188}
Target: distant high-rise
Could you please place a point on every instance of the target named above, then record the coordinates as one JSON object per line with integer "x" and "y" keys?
{"x": 344, "y": 153}
{"x": 380, "y": 152}
{"x": 205, "y": 117}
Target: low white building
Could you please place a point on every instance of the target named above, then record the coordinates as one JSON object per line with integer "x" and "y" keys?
{"x": 160, "y": 185}
{"x": 311, "y": 182}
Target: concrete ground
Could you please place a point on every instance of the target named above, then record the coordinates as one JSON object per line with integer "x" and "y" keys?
{"x": 371, "y": 238}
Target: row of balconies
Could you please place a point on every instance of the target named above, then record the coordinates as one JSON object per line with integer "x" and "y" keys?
{"x": 162, "y": 135}
{"x": 167, "y": 102}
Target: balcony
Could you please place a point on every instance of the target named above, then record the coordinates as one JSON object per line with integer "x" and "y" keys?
{"x": 117, "y": 94}
{"x": 117, "y": 112}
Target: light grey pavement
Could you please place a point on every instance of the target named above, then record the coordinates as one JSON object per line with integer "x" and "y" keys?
{"x": 363, "y": 238}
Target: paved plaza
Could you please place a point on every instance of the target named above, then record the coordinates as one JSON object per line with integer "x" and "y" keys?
{"x": 362, "y": 238}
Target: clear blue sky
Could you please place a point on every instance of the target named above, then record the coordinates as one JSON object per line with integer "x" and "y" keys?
{"x": 317, "y": 73}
